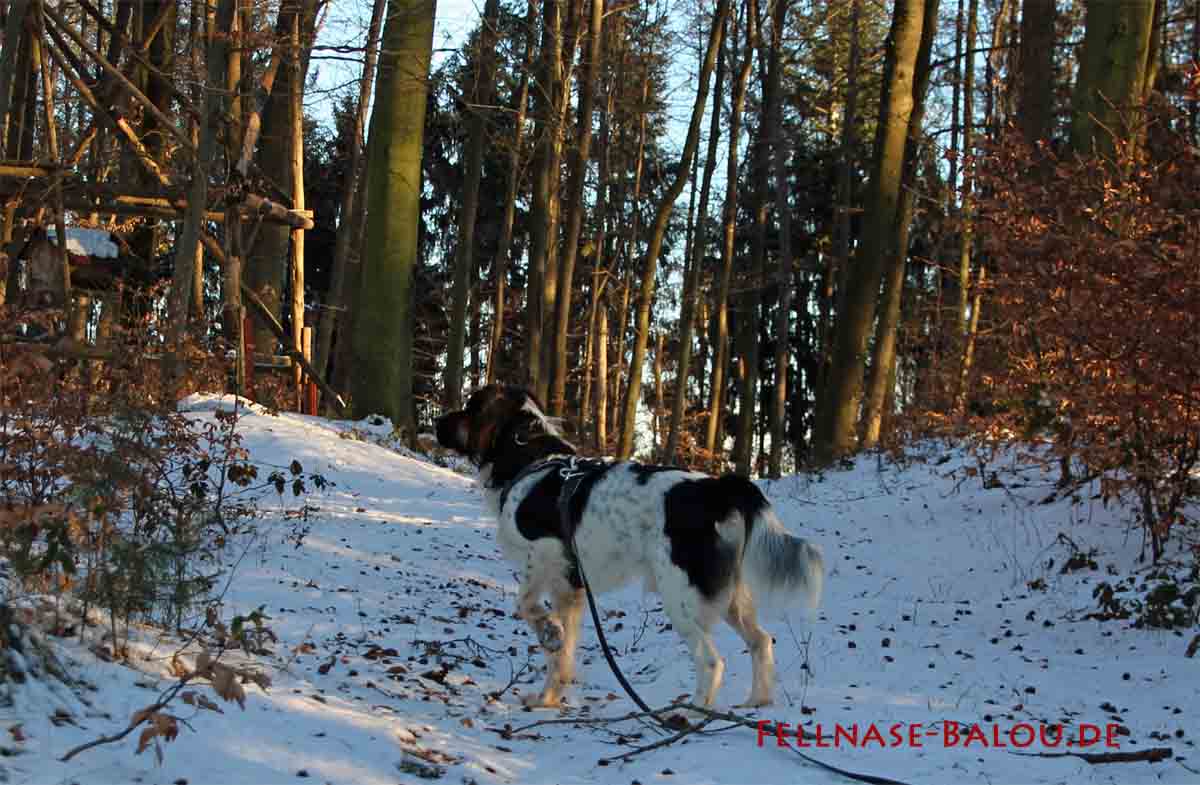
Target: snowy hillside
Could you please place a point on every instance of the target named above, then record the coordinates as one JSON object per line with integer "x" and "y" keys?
{"x": 395, "y": 630}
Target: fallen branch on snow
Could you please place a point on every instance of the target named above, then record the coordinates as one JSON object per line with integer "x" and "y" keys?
{"x": 1152, "y": 755}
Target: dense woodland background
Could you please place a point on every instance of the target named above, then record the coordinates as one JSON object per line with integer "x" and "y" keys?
{"x": 868, "y": 222}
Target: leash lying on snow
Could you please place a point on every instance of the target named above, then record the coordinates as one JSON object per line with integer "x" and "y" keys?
{"x": 712, "y": 715}
{"x": 573, "y": 470}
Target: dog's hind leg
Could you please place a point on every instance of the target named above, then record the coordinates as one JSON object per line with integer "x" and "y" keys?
{"x": 741, "y": 616}
{"x": 560, "y": 663}
{"x": 693, "y": 616}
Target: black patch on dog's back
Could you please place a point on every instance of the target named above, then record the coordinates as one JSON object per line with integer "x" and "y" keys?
{"x": 693, "y": 508}
{"x": 593, "y": 472}
{"x": 644, "y": 471}
{"x": 537, "y": 516}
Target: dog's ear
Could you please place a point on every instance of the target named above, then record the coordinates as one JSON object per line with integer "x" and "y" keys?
{"x": 454, "y": 431}
{"x": 483, "y": 439}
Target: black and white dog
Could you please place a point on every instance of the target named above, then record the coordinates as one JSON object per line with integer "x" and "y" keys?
{"x": 708, "y": 545}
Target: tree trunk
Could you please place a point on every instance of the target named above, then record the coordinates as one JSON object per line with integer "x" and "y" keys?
{"x": 1036, "y": 113}
{"x": 966, "y": 233}
{"x": 658, "y": 233}
{"x": 729, "y": 233}
{"x": 193, "y": 222}
{"x": 749, "y": 344}
{"x": 479, "y": 100}
{"x": 500, "y": 262}
{"x": 618, "y": 356}
{"x": 602, "y": 380}
{"x": 267, "y": 262}
{"x": 833, "y": 284}
{"x": 1112, "y": 74}
{"x": 660, "y": 340}
{"x": 574, "y": 205}
{"x": 333, "y": 318}
{"x": 296, "y": 150}
{"x": 593, "y": 382}
{"x": 883, "y": 358}
{"x": 834, "y": 433}
{"x": 541, "y": 219}
{"x": 693, "y": 272}
{"x": 783, "y": 277}
{"x": 343, "y": 345}
{"x": 383, "y": 334}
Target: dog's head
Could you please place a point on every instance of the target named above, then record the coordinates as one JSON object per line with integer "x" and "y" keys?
{"x": 495, "y": 417}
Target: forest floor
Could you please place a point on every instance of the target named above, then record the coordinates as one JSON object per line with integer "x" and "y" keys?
{"x": 946, "y": 606}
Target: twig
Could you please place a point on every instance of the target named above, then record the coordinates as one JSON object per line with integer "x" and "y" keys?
{"x": 516, "y": 674}
{"x": 636, "y": 715}
{"x": 625, "y": 756}
{"x": 140, "y": 717}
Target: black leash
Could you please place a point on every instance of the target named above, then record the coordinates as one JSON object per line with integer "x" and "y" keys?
{"x": 571, "y": 478}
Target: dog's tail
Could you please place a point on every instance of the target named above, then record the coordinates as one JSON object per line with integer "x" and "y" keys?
{"x": 779, "y": 567}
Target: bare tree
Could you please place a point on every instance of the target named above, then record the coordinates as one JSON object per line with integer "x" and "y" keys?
{"x": 658, "y": 233}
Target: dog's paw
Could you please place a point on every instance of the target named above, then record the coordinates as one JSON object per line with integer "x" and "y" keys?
{"x": 541, "y": 700}
{"x": 550, "y": 635}
{"x": 754, "y": 703}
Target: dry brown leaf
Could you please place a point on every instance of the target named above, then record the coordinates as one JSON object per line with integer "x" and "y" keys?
{"x": 144, "y": 740}
{"x": 225, "y": 684}
{"x": 140, "y": 716}
{"x": 178, "y": 669}
{"x": 167, "y": 727}
{"x": 204, "y": 662}
{"x": 159, "y": 726}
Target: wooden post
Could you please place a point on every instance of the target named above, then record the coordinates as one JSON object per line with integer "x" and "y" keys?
{"x": 247, "y": 361}
{"x": 60, "y": 224}
{"x": 78, "y": 312}
{"x": 8, "y": 58}
{"x": 310, "y": 386}
{"x": 297, "y": 122}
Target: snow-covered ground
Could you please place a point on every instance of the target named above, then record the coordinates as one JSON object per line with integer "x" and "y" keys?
{"x": 395, "y": 629}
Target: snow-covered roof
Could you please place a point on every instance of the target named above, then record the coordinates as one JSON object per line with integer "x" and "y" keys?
{"x": 96, "y": 243}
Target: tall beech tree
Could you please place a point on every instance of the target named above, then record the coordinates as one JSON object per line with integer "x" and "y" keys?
{"x": 783, "y": 211}
{"x": 694, "y": 268}
{"x": 500, "y": 261}
{"x": 716, "y": 407}
{"x": 383, "y": 336}
{"x": 835, "y": 427}
{"x": 574, "y": 204}
{"x": 882, "y": 375}
{"x": 546, "y": 101}
{"x": 482, "y": 89}
{"x": 1111, "y": 82}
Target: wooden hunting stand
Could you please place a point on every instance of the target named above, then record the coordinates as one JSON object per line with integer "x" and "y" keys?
{"x": 41, "y": 183}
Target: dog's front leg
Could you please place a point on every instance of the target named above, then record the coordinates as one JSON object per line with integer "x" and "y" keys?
{"x": 546, "y": 627}
{"x": 548, "y": 630}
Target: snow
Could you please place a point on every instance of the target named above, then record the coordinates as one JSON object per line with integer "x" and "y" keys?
{"x": 96, "y": 243}
{"x": 927, "y": 619}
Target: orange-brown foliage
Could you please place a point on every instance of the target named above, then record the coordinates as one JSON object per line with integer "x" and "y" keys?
{"x": 1094, "y": 331}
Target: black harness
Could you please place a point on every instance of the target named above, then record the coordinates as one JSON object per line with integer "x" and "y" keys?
{"x": 572, "y": 469}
